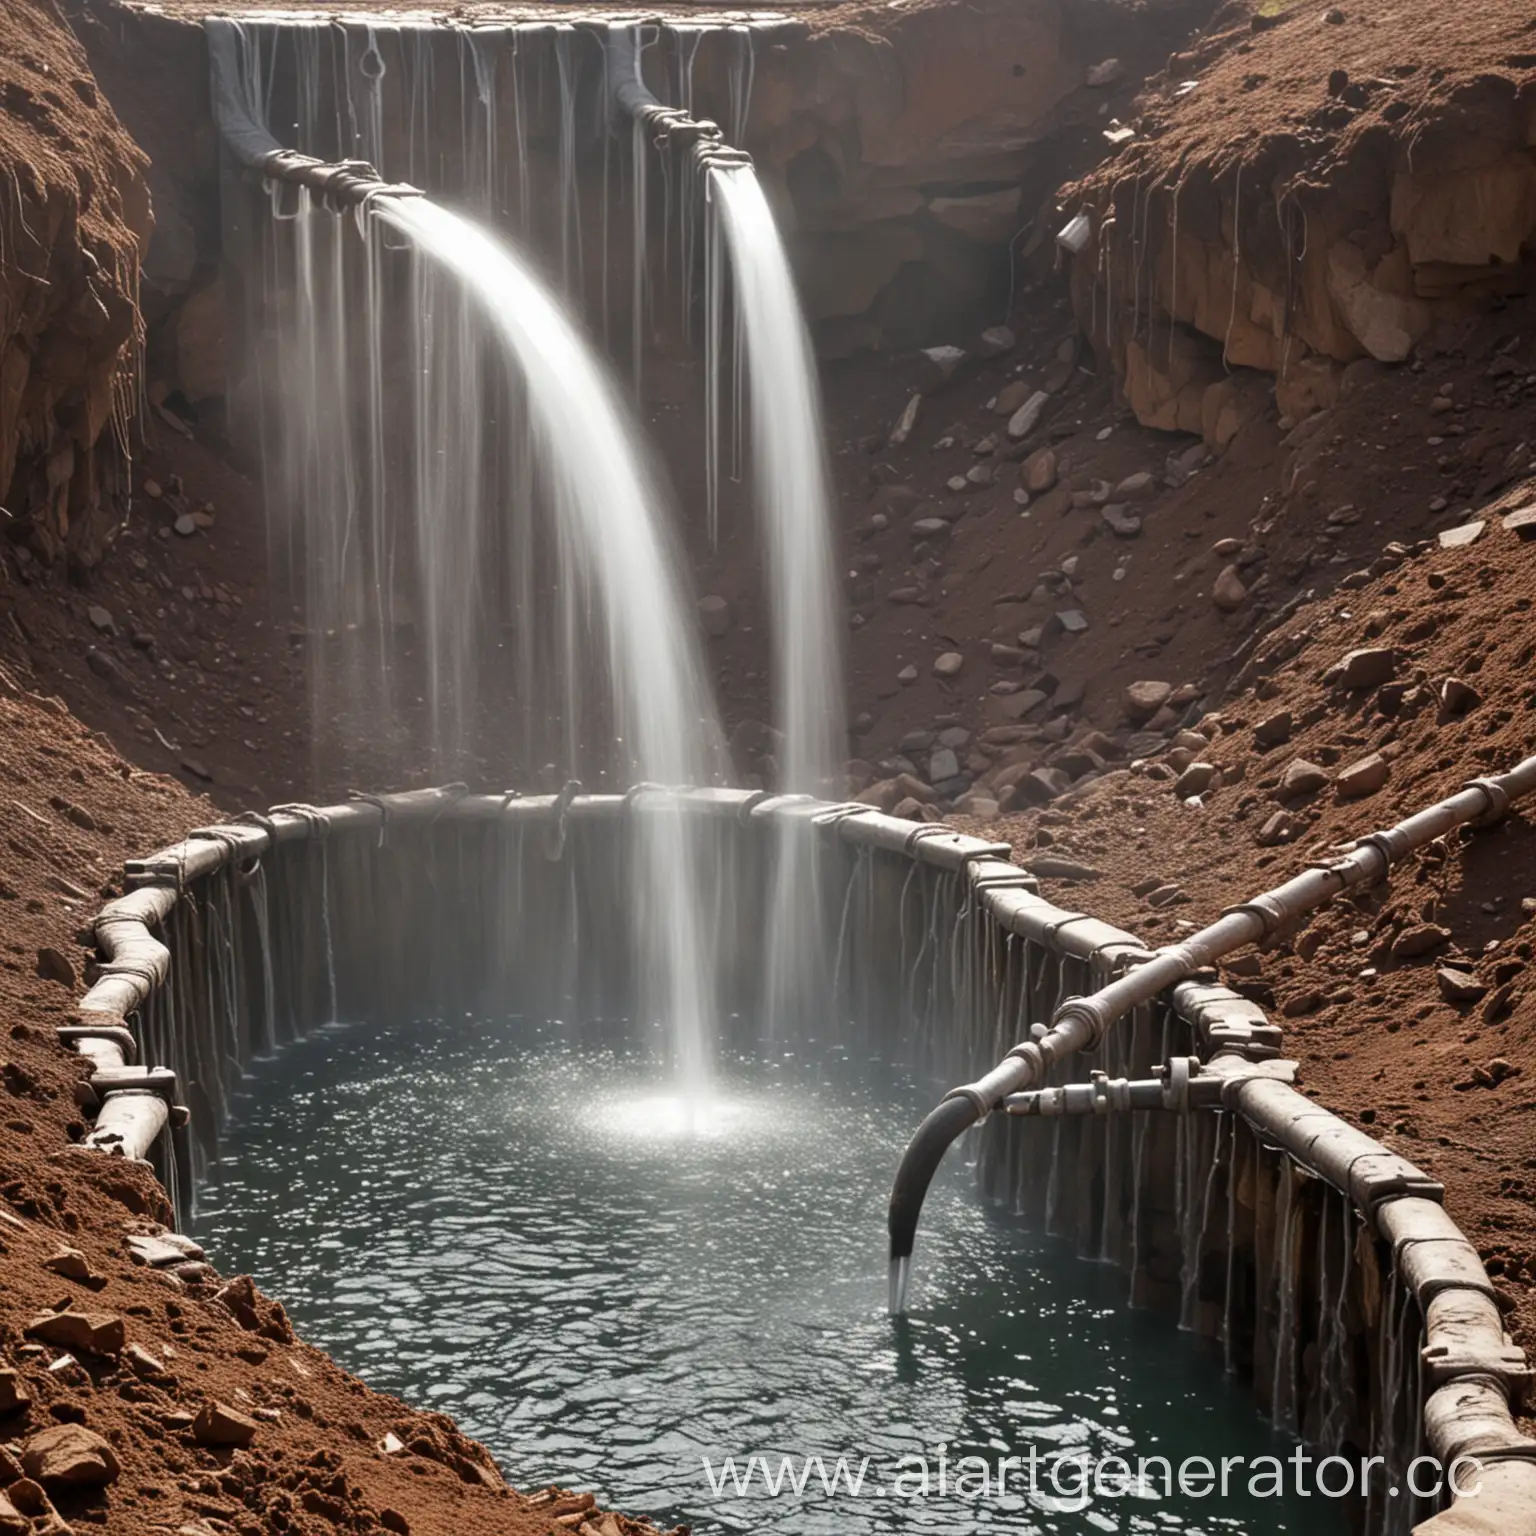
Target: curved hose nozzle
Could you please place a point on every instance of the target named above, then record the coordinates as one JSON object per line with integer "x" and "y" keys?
{"x": 919, "y": 1163}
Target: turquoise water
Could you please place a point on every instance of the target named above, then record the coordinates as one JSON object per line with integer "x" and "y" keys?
{"x": 611, "y": 1288}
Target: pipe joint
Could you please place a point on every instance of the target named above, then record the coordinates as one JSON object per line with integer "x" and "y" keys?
{"x": 1497, "y": 797}
{"x": 1089, "y": 1011}
{"x": 1265, "y": 910}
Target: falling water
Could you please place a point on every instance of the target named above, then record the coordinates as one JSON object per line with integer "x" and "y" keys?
{"x": 610, "y": 511}
{"x": 793, "y": 494}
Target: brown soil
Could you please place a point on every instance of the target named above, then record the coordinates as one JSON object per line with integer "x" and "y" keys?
{"x": 195, "y": 679}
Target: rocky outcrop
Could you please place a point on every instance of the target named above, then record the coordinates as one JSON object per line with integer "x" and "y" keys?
{"x": 1272, "y": 214}
{"x": 74, "y": 218}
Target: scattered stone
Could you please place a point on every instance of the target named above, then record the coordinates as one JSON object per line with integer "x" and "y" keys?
{"x": 70, "y": 1454}
{"x": 1143, "y": 700}
{"x": 943, "y": 764}
{"x": 1136, "y": 487}
{"x": 1016, "y": 706}
{"x": 1166, "y": 896}
{"x": 1042, "y": 785}
{"x": 1122, "y": 522}
{"x": 100, "y": 619}
{"x": 956, "y": 483}
{"x": 716, "y": 616}
{"x": 1072, "y": 621}
{"x": 1027, "y": 417}
{"x": 13, "y": 1392}
{"x": 1228, "y": 592}
{"x": 1460, "y": 538}
{"x": 141, "y": 1362}
{"x": 203, "y": 517}
{"x": 1522, "y": 522}
{"x": 1363, "y": 778}
{"x": 1011, "y": 396}
{"x": 197, "y": 768}
{"x": 1368, "y": 668}
{"x": 1050, "y": 866}
{"x": 93, "y": 1333}
{"x": 1195, "y": 780}
{"x": 948, "y": 664}
{"x": 985, "y": 445}
{"x": 1302, "y": 1003}
{"x": 219, "y": 1424}
{"x": 185, "y": 525}
{"x": 1224, "y": 549}
{"x": 906, "y": 422}
{"x": 978, "y": 475}
{"x": 1038, "y": 472}
{"x": 1499, "y": 1003}
{"x": 1105, "y": 73}
{"x": 1418, "y": 940}
{"x": 155, "y": 1251}
{"x": 72, "y": 1265}
{"x": 54, "y": 965}
{"x": 939, "y": 364}
{"x": 1458, "y": 697}
{"x": 931, "y": 527}
{"x": 997, "y": 340}
{"x": 153, "y": 490}
{"x": 1459, "y": 986}
{"x": 907, "y": 676}
{"x": 1274, "y": 730}
{"x": 1303, "y": 778}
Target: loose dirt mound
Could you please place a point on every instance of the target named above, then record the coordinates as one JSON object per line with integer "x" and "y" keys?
{"x": 74, "y": 222}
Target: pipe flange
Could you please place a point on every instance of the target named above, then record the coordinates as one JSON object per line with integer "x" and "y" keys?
{"x": 1033, "y": 1054}
{"x": 118, "y": 1034}
{"x": 1265, "y": 908}
{"x": 1497, "y": 797}
{"x": 1387, "y": 845}
{"x": 970, "y": 1093}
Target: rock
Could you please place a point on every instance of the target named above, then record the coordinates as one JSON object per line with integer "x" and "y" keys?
{"x": 219, "y": 1424}
{"x": 907, "y": 675}
{"x": 1302, "y": 778}
{"x": 153, "y": 490}
{"x": 185, "y": 525}
{"x": 12, "y": 1521}
{"x": 989, "y": 217}
{"x": 104, "y": 667}
{"x": 1136, "y": 487}
{"x": 939, "y": 365}
{"x": 1368, "y": 668}
{"x": 1458, "y": 697}
{"x": 1228, "y": 592}
{"x": 1050, "y": 866}
{"x": 1142, "y": 700}
{"x": 1195, "y": 780}
{"x": 197, "y": 768}
{"x": 1027, "y": 417}
{"x": 92, "y": 1333}
{"x": 1038, "y": 472}
{"x": 949, "y": 664}
{"x": 979, "y": 475}
{"x": 70, "y": 1454}
{"x": 906, "y": 422}
{"x": 13, "y": 1392}
{"x": 72, "y": 1265}
{"x": 915, "y": 742}
{"x": 931, "y": 528}
{"x": 1274, "y": 730}
{"x": 1522, "y": 522}
{"x": 998, "y": 340}
{"x": 1042, "y": 785}
{"x": 1302, "y": 1003}
{"x": 957, "y": 483}
{"x": 141, "y": 1362}
{"x": 1121, "y": 521}
{"x": 157, "y": 1252}
{"x": 1011, "y": 396}
{"x": 1224, "y": 549}
{"x": 54, "y": 965}
{"x": 1072, "y": 621}
{"x": 943, "y": 764}
{"x": 100, "y": 620}
{"x": 1057, "y": 376}
{"x": 1363, "y": 778}
{"x": 716, "y": 616}
{"x": 1459, "y": 986}
{"x": 1016, "y": 706}
{"x": 1105, "y": 73}
{"x": 1418, "y": 940}
{"x": 1166, "y": 895}
{"x": 1460, "y": 538}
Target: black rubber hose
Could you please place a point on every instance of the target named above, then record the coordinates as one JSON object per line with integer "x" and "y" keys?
{"x": 919, "y": 1163}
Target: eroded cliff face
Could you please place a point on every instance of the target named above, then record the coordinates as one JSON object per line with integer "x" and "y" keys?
{"x": 74, "y": 218}
{"x": 1306, "y": 188}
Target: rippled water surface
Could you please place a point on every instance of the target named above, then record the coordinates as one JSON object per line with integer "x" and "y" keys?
{"x": 608, "y": 1287}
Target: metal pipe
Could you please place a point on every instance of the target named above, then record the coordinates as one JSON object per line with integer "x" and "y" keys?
{"x": 1081, "y": 1022}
